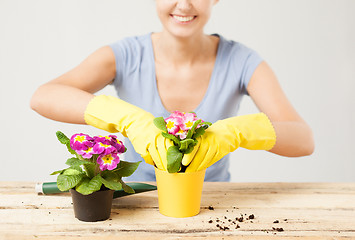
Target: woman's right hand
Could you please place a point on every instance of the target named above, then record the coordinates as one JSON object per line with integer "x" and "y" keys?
{"x": 115, "y": 115}
{"x": 254, "y": 132}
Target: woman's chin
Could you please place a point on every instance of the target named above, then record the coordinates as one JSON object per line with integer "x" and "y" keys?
{"x": 184, "y": 33}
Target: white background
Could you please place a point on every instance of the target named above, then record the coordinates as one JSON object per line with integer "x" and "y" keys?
{"x": 310, "y": 44}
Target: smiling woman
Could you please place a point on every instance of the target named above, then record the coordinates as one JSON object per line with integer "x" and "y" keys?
{"x": 180, "y": 68}
{"x": 184, "y": 18}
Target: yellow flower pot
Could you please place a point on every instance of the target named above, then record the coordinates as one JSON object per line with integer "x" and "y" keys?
{"x": 179, "y": 194}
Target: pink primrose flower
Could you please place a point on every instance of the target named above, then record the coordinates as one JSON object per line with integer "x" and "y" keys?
{"x": 106, "y": 139}
{"x": 103, "y": 139}
{"x": 177, "y": 114}
{"x": 119, "y": 146}
{"x": 81, "y": 141}
{"x": 173, "y": 124}
{"x": 188, "y": 121}
{"x": 108, "y": 161}
{"x": 111, "y": 140}
{"x": 179, "y": 123}
{"x": 86, "y": 153}
{"x": 101, "y": 148}
{"x": 181, "y": 134}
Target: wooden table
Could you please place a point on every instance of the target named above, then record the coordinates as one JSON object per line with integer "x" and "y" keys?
{"x": 280, "y": 211}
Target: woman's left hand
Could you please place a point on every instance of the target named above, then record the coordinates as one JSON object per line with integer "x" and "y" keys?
{"x": 294, "y": 136}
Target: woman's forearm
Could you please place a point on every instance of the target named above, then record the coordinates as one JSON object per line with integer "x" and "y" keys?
{"x": 61, "y": 102}
{"x": 293, "y": 139}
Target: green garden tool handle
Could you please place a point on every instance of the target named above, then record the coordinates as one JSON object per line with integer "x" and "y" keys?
{"x": 52, "y": 188}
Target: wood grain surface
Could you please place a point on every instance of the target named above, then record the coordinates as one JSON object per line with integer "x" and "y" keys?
{"x": 228, "y": 211}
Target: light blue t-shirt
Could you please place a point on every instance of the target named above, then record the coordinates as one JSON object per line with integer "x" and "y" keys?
{"x": 135, "y": 82}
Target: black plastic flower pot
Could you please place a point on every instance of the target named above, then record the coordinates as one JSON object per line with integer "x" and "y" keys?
{"x": 93, "y": 207}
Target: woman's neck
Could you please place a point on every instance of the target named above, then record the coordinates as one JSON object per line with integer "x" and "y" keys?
{"x": 183, "y": 51}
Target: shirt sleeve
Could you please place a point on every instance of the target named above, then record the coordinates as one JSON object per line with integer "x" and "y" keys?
{"x": 124, "y": 51}
{"x": 246, "y": 61}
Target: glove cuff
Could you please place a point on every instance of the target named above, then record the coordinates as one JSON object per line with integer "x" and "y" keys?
{"x": 257, "y": 131}
{"x": 96, "y": 111}
{"x": 270, "y": 134}
{"x": 115, "y": 115}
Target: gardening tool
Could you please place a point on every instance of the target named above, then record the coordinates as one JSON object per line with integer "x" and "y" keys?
{"x": 52, "y": 188}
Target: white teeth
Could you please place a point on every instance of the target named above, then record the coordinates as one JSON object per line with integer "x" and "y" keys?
{"x": 183, "y": 19}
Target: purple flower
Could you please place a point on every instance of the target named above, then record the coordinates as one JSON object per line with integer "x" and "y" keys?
{"x": 111, "y": 140}
{"x": 86, "y": 153}
{"x": 105, "y": 149}
{"x": 81, "y": 141}
{"x": 119, "y": 147}
{"x": 108, "y": 162}
{"x": 104, "y": 139}
{"x": 101, "y": 148}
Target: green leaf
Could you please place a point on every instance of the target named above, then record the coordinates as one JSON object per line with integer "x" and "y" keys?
{"x": 70, "y": 149}
{"x": 66, "y": 182}
{"x": 72, "y": 171}
{"x": 87, "y": 186}
{"x": 90, "y": 169}
{"x": 185, "y": 144}
{"x": 126, "y": 169}
{"x": 62, "y": 138}
{"x": 160, "y": 123}
{"x": 77, "y": 168}
{"x": 109, "y": 175}
{"x": 206, "y": 123}
{"x": 192, "y": 129}
{"x": 171, "y": 137}
{"x": 174, "y": 158}
{"x": 126, "y": 188}
{"x": 199, "y": 132}
{"x": 57, "y": 172}
{"x": 65, "y": 140}
{"x": 190, "y": 148}
{"x": 76, "y": 162}
{"x": 111, "y": 181}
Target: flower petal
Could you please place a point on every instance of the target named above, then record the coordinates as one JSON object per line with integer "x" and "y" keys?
{"x": 81, "y": 141}
{"x": 86, "y": 153}
{"x": 108, "y": 161}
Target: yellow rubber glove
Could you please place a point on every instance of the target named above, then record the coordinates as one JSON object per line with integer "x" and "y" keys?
{"x": 115, "y": 115}
{"x": 157, "y": 150}
{"x": 254, "y": 132}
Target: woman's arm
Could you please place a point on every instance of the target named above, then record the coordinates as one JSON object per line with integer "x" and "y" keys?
{"x": 66, "y": 97}
{"x": 294, "y": 137}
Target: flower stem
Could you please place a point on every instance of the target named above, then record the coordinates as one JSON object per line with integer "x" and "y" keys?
{"x": 97, "y": 166}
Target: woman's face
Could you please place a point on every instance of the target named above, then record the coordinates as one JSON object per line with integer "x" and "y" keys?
{"x": 184, "y": 18}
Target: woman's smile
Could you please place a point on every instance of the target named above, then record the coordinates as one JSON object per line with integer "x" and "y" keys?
{"x": 183, "y": 19}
